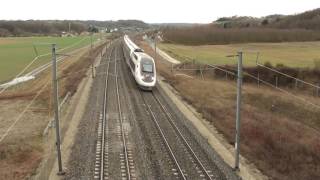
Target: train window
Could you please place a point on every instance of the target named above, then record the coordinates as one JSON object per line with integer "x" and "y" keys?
{"x": 147, "y": 67}
{"x": 138, "y": 50}
{"x": 135, "y": 56}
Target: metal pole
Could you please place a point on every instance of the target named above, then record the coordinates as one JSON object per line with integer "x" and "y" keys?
{"x": 56, "y": 107}
{"x": 258, "y": 79}
{"x": 318, "y": 90}
{"x": 171, "y": 68}
{"x": 91, "y": 41}
{"x": 201, "y": 73}
{"x": 155, "y": 47}
{"x": 238, "y": 113}
{"x": 92, "y": 68}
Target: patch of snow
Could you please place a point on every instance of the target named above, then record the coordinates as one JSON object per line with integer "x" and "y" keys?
{"x": 17, "y": 81}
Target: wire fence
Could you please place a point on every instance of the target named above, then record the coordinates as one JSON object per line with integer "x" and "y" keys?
{"x": 253, "y": 75}
{"x": 49, "y": 141}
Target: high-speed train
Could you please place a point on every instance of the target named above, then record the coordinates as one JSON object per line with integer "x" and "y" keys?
{"x": 142, "y": 66}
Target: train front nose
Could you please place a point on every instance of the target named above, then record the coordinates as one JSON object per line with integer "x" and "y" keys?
{"x": 148, "y": 77}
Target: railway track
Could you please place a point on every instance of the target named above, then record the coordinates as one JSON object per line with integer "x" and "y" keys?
{"x": 183, "y": 171}
{"x": 109, "y": 118}
{"x": 133, "y": 134}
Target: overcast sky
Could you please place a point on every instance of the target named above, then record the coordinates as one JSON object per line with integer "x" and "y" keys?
{"x": 192, "y": 11}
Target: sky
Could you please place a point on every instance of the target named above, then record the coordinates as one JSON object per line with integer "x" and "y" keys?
{"x": 161, "y": 11}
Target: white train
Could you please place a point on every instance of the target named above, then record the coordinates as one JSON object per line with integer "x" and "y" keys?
{"x": 142, "y": 66}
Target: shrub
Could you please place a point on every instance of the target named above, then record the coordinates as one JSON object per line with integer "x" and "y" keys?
{"x": 208, "y": 34}
{"x": 317, "y": 64}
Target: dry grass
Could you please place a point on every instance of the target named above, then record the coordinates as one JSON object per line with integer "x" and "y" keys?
{"x": 279, "y": 134}
{"x": 23, "y": 149}
{"x": 293, "y": 54}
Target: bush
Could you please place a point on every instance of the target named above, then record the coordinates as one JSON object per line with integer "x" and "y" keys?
{"x": 317, "y": 64}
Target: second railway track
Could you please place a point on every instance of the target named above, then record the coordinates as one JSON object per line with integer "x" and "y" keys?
{"x": 112, "y": 144}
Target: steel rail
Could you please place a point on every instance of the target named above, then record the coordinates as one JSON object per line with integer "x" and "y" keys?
{"x": 169, "y": 117}
{"x": 125, "y": 149}
{"x": 164, "y": 138}
{"x": 104, "y": 119}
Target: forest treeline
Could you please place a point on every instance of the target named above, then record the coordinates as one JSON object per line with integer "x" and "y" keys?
{"x": 56, "y": 27}
{"x": 226, "y": 30}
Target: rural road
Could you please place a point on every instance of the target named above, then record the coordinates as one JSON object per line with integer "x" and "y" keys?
{"x": 126, "y": 133}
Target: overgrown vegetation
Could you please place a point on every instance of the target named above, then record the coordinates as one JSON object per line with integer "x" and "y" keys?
{"x": 306, "y": 20}
{"x": 317, "y": 64}
{"x": 210, "y": 35}
{"x": 272, "y": 77}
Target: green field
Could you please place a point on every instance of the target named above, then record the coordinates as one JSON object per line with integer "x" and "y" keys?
{"x": 296, "y": 54}
{"x": 17, "y": 52}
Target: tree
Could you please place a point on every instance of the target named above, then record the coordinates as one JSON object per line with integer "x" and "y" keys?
{"x": 265, "y": 22}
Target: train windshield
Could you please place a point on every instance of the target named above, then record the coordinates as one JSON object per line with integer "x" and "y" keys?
{"x": 146, "y": 66}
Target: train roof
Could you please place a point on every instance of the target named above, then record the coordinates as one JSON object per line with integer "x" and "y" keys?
{"x": 144, "y": 55}
{"x": 131, "y": 44}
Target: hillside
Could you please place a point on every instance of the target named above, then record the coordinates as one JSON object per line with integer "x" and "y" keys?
{"x": 306, "y": 20}
{"x": 245, "y": 29}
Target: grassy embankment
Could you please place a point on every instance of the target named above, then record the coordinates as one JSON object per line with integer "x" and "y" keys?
{"x": 17, "y": 52}
{"x": 279, "y": 134}
{"x": 24, "y": 147}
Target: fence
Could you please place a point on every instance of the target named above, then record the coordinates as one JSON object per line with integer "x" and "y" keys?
{"x": 254, "y": 75}
{"x": 49, "y": 139}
